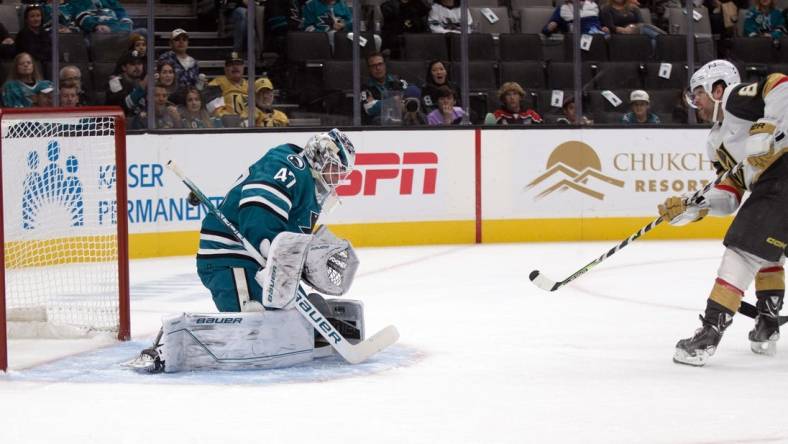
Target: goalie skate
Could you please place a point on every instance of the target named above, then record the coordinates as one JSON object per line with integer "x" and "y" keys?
{"x": 148, "y": 361}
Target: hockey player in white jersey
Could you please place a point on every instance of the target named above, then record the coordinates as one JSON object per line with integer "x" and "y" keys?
{"x": 749, "y": 125}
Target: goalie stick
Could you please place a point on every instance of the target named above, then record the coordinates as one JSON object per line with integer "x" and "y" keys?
{"x": 352, "y": 353}
{"x": 547, "y": 284}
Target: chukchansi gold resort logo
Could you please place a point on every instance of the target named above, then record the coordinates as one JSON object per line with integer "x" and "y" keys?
{"x": 572, "y": 166}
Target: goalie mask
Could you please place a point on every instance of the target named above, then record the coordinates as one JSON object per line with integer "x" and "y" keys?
{"x": 331, "y": 158}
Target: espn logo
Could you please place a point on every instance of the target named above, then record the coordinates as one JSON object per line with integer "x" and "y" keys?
{"x": 372, "y": 167}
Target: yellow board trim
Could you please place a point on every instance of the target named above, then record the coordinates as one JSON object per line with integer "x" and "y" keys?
{"x": 590, "y": 229}
{"x": 185, "y": 243}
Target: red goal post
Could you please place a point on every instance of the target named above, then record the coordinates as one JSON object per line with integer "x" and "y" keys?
{"x": 63, "y": 224}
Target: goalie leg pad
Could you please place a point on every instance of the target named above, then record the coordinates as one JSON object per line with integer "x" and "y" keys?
{"x": 348, "y": 313}
{"x": 234, "y": 341}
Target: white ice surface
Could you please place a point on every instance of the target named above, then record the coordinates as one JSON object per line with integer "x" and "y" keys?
{"x": 484, "y": 357}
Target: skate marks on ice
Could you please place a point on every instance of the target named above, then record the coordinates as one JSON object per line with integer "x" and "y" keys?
{"x": 104, "y": 366}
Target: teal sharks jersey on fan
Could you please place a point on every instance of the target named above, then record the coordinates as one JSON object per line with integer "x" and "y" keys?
{"x": 277, "y": 194}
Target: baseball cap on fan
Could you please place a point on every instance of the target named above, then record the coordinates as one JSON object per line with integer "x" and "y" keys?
{"x": 178, "y": 32}
{"x": 638, "y": 95}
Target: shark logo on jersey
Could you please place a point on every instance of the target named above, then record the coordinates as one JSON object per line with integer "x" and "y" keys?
{"x": 312, "y": 221}
{"x": 297, "y": 161}
{"x": 51, "y": 194}
{"x": 571, "y": 165}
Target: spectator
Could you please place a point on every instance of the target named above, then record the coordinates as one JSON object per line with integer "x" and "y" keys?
{"x": 412, "y": 114}
{"x": 281, "y": 16}
{"x": 640, "y": 114}
{"x": 7, "y": 44}
{"x": 381, "y": 97}
{"x": 69, "y": 95}
{"x": 234, "y": 89}
{"x": 137, "y": 42}
{"x": 43, "y": 94}
{"x": 33, "y": 38}
{"x": 101, "y": 16}
{"x": 763, "y": 19}
{"x": 445, "y": 17}
{"x": 511, "y": 111}
{"x": 186, "y": 67}
{"x": 127, "y": 89}
{"x": 437, "y": 76}
{"x": 165, "y": 111}
{"x": 73, "y": 75}
{"x": 238, "y": 12}
{"x": 623, "y": 17}
{"x": 267, "y": 116}
{"x": 556, "y": 23}
{"x": 194, "y": 114}
{"x": 326, "y": 16}
{"x": 23, "y": 82}
{"x": 569, "y": 116}
{"x": 400, "y": 17}
{"x": 165, "y": 76}
{"x": 65, "y": 23}
{"x": 446, "y": 113}
{"x": 589, "y": 18}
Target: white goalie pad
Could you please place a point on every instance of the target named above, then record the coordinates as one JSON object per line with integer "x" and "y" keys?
{"x": 282, "y": 273}
{"x": 234, "y": 341}
{"x": 331, "y": 263}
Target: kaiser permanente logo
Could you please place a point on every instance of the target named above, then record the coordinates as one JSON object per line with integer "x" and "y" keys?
{"x": 50, "y": 194}
{"x": 573, "y": 166}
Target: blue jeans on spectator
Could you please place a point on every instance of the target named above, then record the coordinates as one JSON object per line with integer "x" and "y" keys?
{"x": 238, "y": 19}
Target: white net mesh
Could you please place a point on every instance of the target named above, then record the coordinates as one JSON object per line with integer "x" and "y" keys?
{"x": 60, "y": 223}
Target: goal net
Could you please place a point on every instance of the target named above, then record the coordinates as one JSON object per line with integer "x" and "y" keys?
{"x": 65, "y": 262}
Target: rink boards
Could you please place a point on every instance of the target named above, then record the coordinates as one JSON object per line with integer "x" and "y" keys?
{"x": 442, "y": 187}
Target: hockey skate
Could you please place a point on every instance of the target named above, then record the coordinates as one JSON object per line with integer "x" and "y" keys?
{"x": 697, "y": 349}
{"x": 764, "y": 337}
{"x": 149, "y": 361}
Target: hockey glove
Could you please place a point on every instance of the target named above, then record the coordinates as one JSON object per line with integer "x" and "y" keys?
{"x": 676, "y": 211}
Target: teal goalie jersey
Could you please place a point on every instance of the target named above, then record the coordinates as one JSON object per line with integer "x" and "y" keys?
{"x": 276, "y": 194}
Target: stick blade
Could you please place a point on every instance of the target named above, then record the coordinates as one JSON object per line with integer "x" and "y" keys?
{"x": 542, "y": 282}
{"x": 363, "y": 350}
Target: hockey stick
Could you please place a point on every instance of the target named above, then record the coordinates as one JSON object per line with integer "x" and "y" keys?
{"x": 548, "y": 284}
{"x": 353, "y": 354}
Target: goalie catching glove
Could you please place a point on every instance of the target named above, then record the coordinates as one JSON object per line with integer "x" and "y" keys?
{"x": 325, "y": 262}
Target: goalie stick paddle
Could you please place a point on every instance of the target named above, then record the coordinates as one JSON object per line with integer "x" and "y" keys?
{"x": 352, "y": 353}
